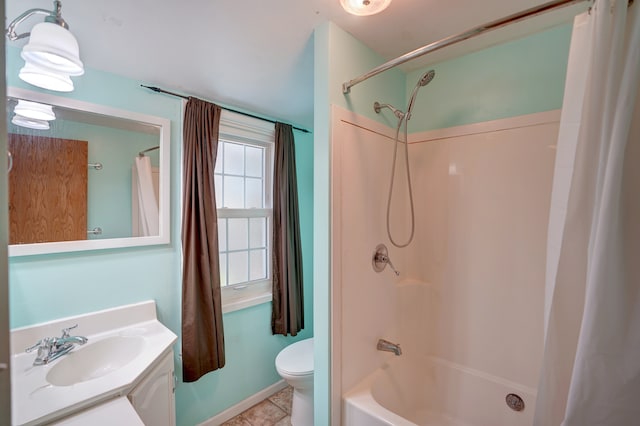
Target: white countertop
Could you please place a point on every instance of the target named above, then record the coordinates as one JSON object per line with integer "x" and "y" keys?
{"x": 35, "y": 401}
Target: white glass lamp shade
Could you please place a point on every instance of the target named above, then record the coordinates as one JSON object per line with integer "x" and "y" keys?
{"x": 34, "y": 110}
{"x": 41, "y": 77}
{"x": 53, "y": 49}
{"x": 364, "y": 7}
{"x": 21, "y": 121}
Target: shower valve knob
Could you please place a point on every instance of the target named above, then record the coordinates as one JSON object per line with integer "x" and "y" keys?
{"x": 381, "y": 259}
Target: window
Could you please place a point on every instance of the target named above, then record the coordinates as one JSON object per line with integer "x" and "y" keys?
{"x": 243, "y": 175}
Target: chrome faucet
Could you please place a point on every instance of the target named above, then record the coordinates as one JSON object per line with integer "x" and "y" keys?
{"x": 51, "y": 348}
{"x": 387, "y": 346}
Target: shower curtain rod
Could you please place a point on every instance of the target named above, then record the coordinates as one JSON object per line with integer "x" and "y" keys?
{"x": 159, "y": 90}
{"x": 448, "y": 41}
{"x": 153, "y": 148}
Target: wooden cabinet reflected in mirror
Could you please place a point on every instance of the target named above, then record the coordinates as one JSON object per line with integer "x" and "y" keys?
{"x": 47, "y": 189}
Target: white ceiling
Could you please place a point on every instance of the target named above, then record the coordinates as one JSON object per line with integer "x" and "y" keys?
{"x": 258, "y": 54}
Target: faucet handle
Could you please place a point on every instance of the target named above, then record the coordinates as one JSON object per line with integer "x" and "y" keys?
{"x": 388, "y": 262}
{"x": 65, "y": 331}
{"x": 381, "y": 259}
{"x": 40, "y": 344}
{"x": 34, "y": 347}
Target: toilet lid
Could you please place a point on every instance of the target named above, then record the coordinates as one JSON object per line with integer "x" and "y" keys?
{"x": 296, "y": 359}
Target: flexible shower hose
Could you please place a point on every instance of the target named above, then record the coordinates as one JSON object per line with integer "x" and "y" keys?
{"x": 393, "y": 173}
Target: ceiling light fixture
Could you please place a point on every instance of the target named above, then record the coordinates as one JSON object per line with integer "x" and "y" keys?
{"x": 52, "y": 54}
{"x": 364, "y": 7}
{"x": 34, "y": 110}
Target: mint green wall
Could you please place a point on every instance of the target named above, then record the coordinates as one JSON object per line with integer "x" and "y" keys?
{"x": 338, "y": 57}
{"x": 349, "y": 58}
{"x": 321, "y": 229}
{"x": 523, "y": 76}
{"x": 53, "y": 286}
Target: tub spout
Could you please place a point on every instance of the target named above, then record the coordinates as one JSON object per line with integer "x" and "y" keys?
{"x": 385, "y": 345}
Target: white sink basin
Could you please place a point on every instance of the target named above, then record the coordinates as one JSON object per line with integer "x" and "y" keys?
{"x": 95, "y": 359}
{"x": 124, "y": 343}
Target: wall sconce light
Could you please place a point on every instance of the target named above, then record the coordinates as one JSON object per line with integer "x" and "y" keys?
{"x": 33, "y": 115}
{"x": 34, "y": 110}
{"x": 364, "y": 7}
{"x": 29, "y": 123}
{"x": 52, "y": 54}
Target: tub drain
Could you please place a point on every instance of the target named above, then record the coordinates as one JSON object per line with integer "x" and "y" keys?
{"x": 515, "y": 402}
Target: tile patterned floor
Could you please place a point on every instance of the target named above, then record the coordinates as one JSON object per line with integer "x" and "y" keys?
{"x": 273, "y": 411}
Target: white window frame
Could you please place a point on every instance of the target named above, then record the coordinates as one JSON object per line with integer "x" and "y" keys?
{"x": 239, "y": 128}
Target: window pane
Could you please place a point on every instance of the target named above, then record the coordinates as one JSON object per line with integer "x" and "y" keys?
{"x": 223, "y": 269}
{"x": 233, "y": 159}
{"x": 258, "y": 232}
{"x": 217, "y": 180}
{"x": 254, "y": 161}
{"x": 254, "y": 193}
{"x": 238, "y": 234}
{"x": 222, "y": 234}
{"x": 258, "y": 264}
{"x": 219, "y": 158}
{"x": 233, "y": 192}
{"x": 238, "y": 267}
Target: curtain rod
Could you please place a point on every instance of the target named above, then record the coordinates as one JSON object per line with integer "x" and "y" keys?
{"x": 534, "y": 11}
{"x": 159, "y": 90}
{"x": 153, "y": 148}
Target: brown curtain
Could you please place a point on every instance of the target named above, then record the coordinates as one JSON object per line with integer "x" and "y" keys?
{"x": 202, "y": 332}
{"x": 287, "y": 315}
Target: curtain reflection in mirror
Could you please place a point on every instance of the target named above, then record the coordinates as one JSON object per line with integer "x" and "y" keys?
{"x": 147, "y": 201}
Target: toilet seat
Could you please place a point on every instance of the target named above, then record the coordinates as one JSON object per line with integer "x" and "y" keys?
{"x": 296, "y": 359}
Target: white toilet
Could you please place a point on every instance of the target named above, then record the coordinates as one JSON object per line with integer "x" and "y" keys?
{"x": 295, "y": 365}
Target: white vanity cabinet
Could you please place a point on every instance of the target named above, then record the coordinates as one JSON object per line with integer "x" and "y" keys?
{"x": 153, "y": 398}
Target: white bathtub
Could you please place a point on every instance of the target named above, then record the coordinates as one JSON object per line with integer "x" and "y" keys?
{"x": 433, "y": 392}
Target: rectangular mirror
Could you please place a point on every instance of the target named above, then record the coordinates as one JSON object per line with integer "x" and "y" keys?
{"x": 94, "y": 177}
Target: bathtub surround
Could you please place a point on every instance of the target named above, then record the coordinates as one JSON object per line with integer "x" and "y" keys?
{"x": 478, "y": 258}
{"x": 202, "y": 329}
{"x": 590, "y": 369}
{"x": 287, "y": 315}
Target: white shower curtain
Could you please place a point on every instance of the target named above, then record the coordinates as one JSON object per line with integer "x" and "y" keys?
{"x": 591, "y": 367}
{"x": 147, "y": 203}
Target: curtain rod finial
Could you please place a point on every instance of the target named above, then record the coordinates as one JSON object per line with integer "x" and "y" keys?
{"x": 155, "y": 89}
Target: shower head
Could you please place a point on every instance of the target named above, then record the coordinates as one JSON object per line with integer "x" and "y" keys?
{"x": 377, "y": 106}
{"x": 424, "y": 80}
